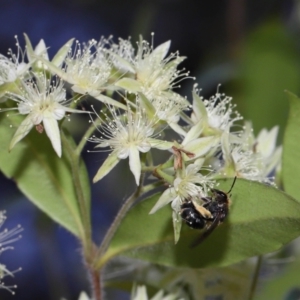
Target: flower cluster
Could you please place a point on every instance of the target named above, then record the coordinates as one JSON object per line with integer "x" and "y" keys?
{"x": 137, "y": 88}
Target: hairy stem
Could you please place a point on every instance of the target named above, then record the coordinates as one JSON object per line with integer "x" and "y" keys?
{"x": 152, "y": 186}
{"x": 85, "y": 215}
{"x": 114, "y": 226}
{"x": 96, "y": 284}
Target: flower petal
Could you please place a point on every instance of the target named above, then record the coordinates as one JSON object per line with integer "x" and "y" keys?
{"x": 199, "y": 109}
{"x": 150, "y": 109}
{"x": 160, "y": 144}
{"x": 144, "y": 146}
{"x": 41, "y": 49}
{"x": 107, "y": 166}
{"x": 61, "y": 54}
{"x": 177, "y": 128}
{"x": 167, "y": 196}
{"x": 123, "y": 153}
{"x": 83, "y": 296}
{"x": 123, "y": 63}
{"x": 266, "y": 141}
{"x": 109, "y": 101}
{"x": 130, "y": 85}
{"x": 22, "y": 131}
{"x": 135, "y": 163}
{"x": 177, "y": 222}
{"x": 201, "y": 146}
{"x": 52, "y": 130}
{"x": 193, "y": 133}
{"x": 140, "y": 293}
{"x": 161, "y": 51}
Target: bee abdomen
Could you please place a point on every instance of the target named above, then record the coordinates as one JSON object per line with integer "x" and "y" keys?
{"x": 192, "y": 218}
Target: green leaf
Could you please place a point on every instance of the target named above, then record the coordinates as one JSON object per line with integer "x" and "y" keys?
{"x": 291, "y": 149}
{"x": 261, "y": 219}
{"x": 41, "y": 175}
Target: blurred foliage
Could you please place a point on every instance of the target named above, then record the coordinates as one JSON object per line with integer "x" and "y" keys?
{"x": 291, "y": 149}
{"x": 227, "y": 283}
{"x": 269, "y": 65}
{"x": 279, "y": 278}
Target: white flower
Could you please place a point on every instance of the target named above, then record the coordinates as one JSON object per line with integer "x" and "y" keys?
{"x": 140, "y": 293}
{"x": 127, "y": 135}
{"x": 89, "y": 68}
{"x": 83, "y": 296}
{"x": 153, "y": 73}
{"x": 10, "y": 70}
{"x": 242, "y": 160}
{"x": 7, "y": 237}
{"x": 42, "y": 101}
{"x": 264, "y": 145}
{"x": 39, "y": 54}
{"x": 216, "y": 114}
{"x": 13, "y": 69}
{"x": 247, "y": 164}
{"x": 190, "y": 184}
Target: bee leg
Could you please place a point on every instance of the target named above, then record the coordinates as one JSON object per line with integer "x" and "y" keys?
{"x": 206, "y": 199}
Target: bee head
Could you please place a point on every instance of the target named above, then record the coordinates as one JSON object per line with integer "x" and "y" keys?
{"x": 220, "y": 196}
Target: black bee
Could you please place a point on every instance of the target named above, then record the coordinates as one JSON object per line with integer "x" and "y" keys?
{"x": 209, "y": 215}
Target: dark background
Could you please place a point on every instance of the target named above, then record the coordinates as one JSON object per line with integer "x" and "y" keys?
{"x": 250, "y": 47}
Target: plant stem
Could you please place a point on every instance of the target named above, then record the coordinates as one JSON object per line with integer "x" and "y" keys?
{"x": 255, "y": 278}
{"x": 85, "y": 216}
{"x": 150, "y": 187}
{"x": 96, "y": 284}
{"x": 121, "y": 214}
{"x": 86, "y": 239}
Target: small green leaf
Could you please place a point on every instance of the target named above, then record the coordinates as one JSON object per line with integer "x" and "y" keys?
{"x": 291, "y": 149}
{"x": 261, "y": 219}
{"x": 41, "y": 175}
